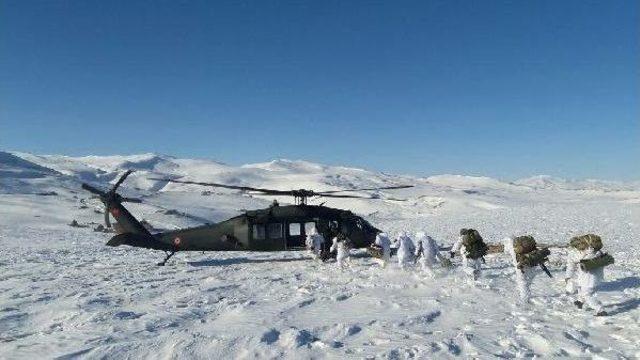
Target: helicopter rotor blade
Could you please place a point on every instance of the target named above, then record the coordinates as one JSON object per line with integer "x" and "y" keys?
{"x": 347, "y": 196}
{"x": 122, "y": 178}
{"x": 296, "y": 193}
{"x": 366, "y": 189}
{"x": 359, "y": 197}
{"x": 243, "y": 188}
{"x": 132, "y": 200}
{"x": 92, "y": 189}
{"x": 107, "y": 222}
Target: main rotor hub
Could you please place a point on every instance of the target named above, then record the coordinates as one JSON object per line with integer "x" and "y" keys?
{"x": 301, "y": 196}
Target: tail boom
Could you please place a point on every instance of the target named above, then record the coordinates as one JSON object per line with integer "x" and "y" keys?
{"x": 126, "y": 222}
{"x": 139, "y": 240}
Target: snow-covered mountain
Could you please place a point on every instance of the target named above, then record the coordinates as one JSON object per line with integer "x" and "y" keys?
{"x": 24, "y": 173}
{"x": 64, "y": 294}
{"x": 550, "y": 182}
{"x": 435, "y": 193}
{"x": 281, "y": 174}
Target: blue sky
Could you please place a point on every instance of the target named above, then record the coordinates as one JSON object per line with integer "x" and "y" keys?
{"x": 505, "y": 89}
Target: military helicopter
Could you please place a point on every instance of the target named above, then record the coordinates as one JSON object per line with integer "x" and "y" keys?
{"x": 276, "y": 228}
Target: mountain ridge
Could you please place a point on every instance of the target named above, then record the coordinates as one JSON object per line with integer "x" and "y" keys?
{"x": 100, "y": 168}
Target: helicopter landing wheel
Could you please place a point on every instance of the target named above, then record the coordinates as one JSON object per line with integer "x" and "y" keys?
{"x": 169, "y": 255}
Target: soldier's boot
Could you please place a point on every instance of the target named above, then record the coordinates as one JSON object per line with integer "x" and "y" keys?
{"x": 601, "y": 313}
{"x": 578, "y": 303}
{"x": 476, "y": 274}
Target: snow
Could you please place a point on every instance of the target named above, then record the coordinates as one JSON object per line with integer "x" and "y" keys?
{"x": 64, "y": 294}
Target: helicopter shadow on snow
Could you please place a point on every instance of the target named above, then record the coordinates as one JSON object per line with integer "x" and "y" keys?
{"x": 244, "y": 260}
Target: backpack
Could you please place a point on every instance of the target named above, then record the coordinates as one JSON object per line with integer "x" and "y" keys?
{"x": 473, "y": 244}
{"x": 524, "y": 244}
{"x": 527, "y": 252}
{"x": 600, "y": 261}
{"x": 586, "y": 241}
{"x": 534, "y": 258}
{"x": 375, "y": 251}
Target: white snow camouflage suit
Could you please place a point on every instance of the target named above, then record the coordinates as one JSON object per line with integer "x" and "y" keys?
{"x": 471, "y": 267}
{"x": 405, "y": 250}
{"x": 383, "y": 241}
{"x": 342, "y": 257}
{"x": 585, "y": 281}
{"x": 314, "y": 243}
{"x": 430, "y": 251}
{"x": 523, "y": 277}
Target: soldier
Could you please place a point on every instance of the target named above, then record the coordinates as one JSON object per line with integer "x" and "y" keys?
{"x": 525, "y": 257}
{"x": 314, "y": 243}
{"x": 472, "y": 250}
{"x": 430, "y": 251}
{"x": 382, "y": 240}
{"x": 342, "y": 247}
{"x": 405, "y": 250}
{"x": 586, "y": 262}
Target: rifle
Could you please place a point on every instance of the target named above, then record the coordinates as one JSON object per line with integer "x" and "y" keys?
{"x": 420, "y": 249}
{"x": 544, "y": 267}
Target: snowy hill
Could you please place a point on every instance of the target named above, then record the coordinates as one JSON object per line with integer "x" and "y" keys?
{"x": 549, "y": 182}
{"x": 65, "y": 294}
{"x": 280, "y": 174}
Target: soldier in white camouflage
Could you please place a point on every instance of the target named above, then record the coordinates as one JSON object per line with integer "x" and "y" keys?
{"x": 585, "y": 270}
{"x": 405, "y": 250}
{"x": 526, "y": 258}
{"x": 342, "y": 246}
{"x": 428, "y": 253}
{"x": 382, "y": 240}
{"x": 314, "y": 243}
{"x": 472, "y": 249}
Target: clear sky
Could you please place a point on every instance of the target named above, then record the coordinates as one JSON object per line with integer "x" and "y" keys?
{"x": 505, "y": 89}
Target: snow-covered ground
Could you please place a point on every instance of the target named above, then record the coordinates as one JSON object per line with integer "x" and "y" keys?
{"x": 64, "y": 294}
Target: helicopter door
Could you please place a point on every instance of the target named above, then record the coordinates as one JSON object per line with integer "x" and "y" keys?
{"x": 310, "y": 225}
{"x": 295, "y": 236}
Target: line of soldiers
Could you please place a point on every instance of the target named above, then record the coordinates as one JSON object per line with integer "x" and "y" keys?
{"x": 585, "y": 261}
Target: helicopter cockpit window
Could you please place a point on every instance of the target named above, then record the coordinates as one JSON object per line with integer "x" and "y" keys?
{"x": 258, "y": 232}
{"x": 274, "y": 231}
{"x": 333, "y": 225}
{"x": 295, "y": 229}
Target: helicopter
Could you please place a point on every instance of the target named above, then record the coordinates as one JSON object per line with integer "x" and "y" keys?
{"x": 276, "y": 228}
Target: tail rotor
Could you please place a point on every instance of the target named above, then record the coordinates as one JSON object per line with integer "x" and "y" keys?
{"x": 111, "y": 197}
